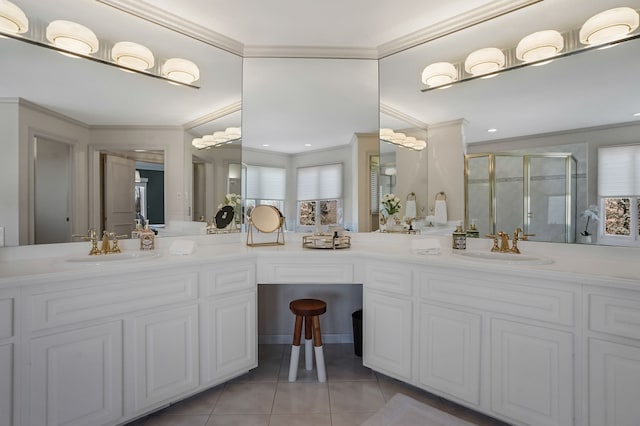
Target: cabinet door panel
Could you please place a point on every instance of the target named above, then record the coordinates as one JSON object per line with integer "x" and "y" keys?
{"x": 166, "y": 355}
{"x": 6, "y": 384}
{"x": 230, "y": 336}
{"x": 614, "y": 384}
{"x": 450, "y": 351}
{"x": 388, "y": 334}
{"x": 531, "y": 373}
{"x": 76, "y": 377}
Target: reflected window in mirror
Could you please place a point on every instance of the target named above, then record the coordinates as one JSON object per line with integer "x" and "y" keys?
{"x": 265, "y": 185}
{"x": 319, "y": 200}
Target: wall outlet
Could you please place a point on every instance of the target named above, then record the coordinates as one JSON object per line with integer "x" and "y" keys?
{"x": 1, "y": 236}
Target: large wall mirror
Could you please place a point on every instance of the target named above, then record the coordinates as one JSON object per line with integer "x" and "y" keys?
{"x": 82, "y": 110}
{"x": 575, "y": 104}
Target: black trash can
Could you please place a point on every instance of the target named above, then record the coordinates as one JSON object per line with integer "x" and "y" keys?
{"x": 357, "y": 332}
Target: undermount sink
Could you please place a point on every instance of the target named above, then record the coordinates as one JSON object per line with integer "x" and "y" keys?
{"x": 101, "y": 259}
{"x": 505, "y": 258}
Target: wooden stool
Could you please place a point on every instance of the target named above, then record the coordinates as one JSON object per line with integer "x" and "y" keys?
{"x": 310, "y": 310}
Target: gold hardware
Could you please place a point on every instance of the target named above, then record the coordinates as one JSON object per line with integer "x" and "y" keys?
{"x": 503, "y": 247}
{"x": 92, "y": 236}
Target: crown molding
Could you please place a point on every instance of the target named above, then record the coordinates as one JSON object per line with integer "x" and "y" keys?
{"x": 312, "y": 52}
{"x": 457, "y": 23}
{"x": 22, "y": 102}
{"x": 168, "y": 20}
{"x": 392, "y": 112}
{"x": 222, "y": 112}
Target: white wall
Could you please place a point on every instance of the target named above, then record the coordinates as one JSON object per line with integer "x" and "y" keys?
{"x": 9, "y": 171}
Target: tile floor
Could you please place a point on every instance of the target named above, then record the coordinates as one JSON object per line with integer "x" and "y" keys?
{"x": 264, "y": 396}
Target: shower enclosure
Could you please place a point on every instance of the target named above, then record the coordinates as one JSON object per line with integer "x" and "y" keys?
{"x": 534, "y": 192}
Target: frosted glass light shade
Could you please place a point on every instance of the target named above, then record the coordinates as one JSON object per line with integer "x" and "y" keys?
{"x": 484, "y": 61}
{"x": 400, "y": 139}
{"x": 181, "y": 70}
{"x": 439, "y": 74}
{"x": 609, "y": 25}
{"x": 73, "y": 37}
{"x": 132, "y": 55}
{"x": 12, "y": 18}
{"x": 540, "y": 45}
{"x": 233, "y": 132}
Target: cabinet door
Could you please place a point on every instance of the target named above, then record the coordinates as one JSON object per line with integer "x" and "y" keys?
{"x": 614, "y": 384}
{"x": 229, "y": 336}
{"x": 6, "y": 383}
{"x": 388, "y": 334}
{"x": 166, "y": 355}
{"x": 76, "y": 377}
{"x": 531, "y": 373}
{"x": 450, "y": 351}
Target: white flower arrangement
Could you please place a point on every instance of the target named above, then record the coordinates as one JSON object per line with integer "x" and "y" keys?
{"x": 230, "y": 200}
{"x": 591, "y": 213}
{"x": 391, "y": 204}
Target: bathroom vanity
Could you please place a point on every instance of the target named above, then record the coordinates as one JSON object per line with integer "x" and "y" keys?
{"x": 552, "y": 338}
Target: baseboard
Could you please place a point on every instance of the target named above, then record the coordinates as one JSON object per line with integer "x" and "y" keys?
{"x": 282, "y": 339}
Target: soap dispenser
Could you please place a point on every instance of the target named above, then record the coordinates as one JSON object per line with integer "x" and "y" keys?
{"x": 147, "y": 238}
{"x": 459, "y": 238}
{"x": 473, "y": 232}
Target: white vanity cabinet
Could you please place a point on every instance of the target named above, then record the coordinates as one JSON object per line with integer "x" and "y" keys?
{"x": 229, "y": 329}
{"x": 613, "y": 348}
{"x": 9, "y": 300}
{"x": 388, "y": 319}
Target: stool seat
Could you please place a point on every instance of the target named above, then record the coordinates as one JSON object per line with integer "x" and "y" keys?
{"x": 308, "y": 307}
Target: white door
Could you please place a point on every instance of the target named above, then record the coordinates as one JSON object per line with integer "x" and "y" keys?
{"x": 388, "y": 334}
{"x": 229, "y": 342}
{"x": 614, "y": 383}
{"x": 119, "y": 195}
{"x": 76, "y": 377}
{"x": 166, "y": 355}
{"x": 52, "y": 186}
{"x": 531, "y": 373}
{"x": 450, "y": 351}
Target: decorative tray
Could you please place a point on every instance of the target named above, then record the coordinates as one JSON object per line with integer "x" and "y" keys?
{"x": 326, "y": 241}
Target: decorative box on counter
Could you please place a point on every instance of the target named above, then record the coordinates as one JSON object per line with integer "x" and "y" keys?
{"x": 326, "y": 241}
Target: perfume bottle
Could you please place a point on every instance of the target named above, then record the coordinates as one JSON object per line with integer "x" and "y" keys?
{"x": 147, "y": 238}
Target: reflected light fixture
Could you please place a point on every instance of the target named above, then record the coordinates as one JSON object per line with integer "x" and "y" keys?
{"x": 609, "y": 25}
{"x": 484, "y": 61}
{"x": 217, "y": 138}
{"x": 12, "y": 18}
{"x": 400, "y": 139}
{"x": 439, "y": 74}
{"x": 180, "y": 70}
{"x": 72, "y": 37}
{"x": 132, "y": 55}
{"x": 539, "y": 46}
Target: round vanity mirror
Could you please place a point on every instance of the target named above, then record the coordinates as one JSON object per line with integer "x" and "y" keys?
{"x": 224, "y": 216}
{"x": 266, "y": 218}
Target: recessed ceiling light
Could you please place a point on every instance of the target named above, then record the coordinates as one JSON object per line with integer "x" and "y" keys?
{"x": 307, "y": 144}
{"x": 492, "y": 130}
{"x": 265, "y": 144}
{"x": 140, "y": 150}
{"x": 637, "y": 114}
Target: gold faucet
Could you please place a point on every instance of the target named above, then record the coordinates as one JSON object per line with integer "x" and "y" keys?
{"x": 91, "y": 235}
{"x": 517, "y": 236}
{"x": 503, "y": 247}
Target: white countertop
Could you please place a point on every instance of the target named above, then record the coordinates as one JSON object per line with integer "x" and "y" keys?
{"x": 598, "y": 263}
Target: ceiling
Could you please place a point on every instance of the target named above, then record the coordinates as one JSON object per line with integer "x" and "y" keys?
{"x": 584, "y": 90}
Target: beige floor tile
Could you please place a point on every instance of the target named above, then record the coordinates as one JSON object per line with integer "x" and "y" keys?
{"x": 349, "y": 419}
{"x": 176, "y": 420}
{"x": 294, "y": 398}
{"x": 470, "y": 415}
{"x": 200, "y": 404}
{"x": 246, "y": 398}
{"x": 348, "y": 368}
{"x": 300, "y": 420}
{"x": 239, "y": 420}
{"x": 271, "y": 352}
{"x": 390, "y": 387}
{"x": 355, "y": 397}
{"x": 267, "y": 371}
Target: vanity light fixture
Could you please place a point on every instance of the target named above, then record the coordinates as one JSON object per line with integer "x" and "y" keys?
{"x": 132, "y": 55}
{"x": 439, "y": 74}
{"x": 539, "y": 46}
{"x": 609, "y": 25}
{"x": 72, "y": 37}
{"x": 12, "y": 18}
{"x": 484, "y": 61}
{"x": 400, "y": 139}
{"x": 217, "y": 138}
{"x": 181, "y": 70}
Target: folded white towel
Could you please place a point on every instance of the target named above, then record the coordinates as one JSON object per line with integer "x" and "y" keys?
{"x": 425, "y": 246}
{"x": 410, "y": 209}
{"x": 440, "y": 212}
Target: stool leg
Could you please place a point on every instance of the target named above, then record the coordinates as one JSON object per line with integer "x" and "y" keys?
{"x": 308, "y": 348}
{"x": 317, "y": 342}
{"x": 295, "y": 349}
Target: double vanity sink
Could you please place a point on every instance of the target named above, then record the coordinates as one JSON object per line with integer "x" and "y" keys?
{"x": 503, "y": 258}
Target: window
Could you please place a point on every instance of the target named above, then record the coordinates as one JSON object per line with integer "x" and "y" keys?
{"x": 319, "y": 195}
{"x": 265, "y": 185}
{"x": 619, "y": 194}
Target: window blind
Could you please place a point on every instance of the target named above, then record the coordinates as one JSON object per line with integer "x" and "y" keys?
{"x": 619, "y": 171}
{"x": 266, "y": 183}
{"x": 319, "y": 182}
